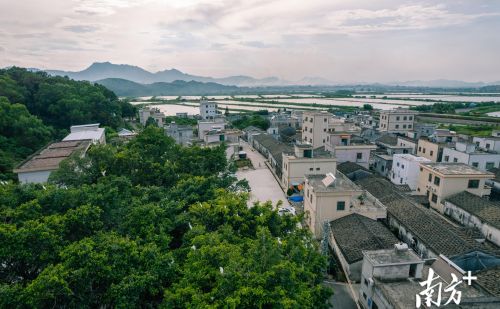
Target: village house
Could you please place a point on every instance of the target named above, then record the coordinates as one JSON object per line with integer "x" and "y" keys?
{"x": 208, "y": 110}
{"x": 315, "y": 127}
{"x": 406, "y": 170}
{"x": 441, "y": 180}
{"x": 151, "y": 112}
{"x": 469, "y": 154}
{"x": 182, "y": 134}
{"x": 38, "y": 167}
{"x": 347, "y": 147}
{"x": 382, "y": 164}
{"x": 305, "y": 161}
{"x": 204, "y": 126}
{"x": 398, "y": 120}
{"x": 409, "y": 143}
{"x": 491, "y": 143}
{"x": 87, "y": 132}
{"x": 332, "y": 196}
{"x": 473, "y": 211}
{"x": 353, "y": 234}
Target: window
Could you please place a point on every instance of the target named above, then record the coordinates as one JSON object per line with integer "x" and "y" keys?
{"x": 374, "y": 305}
{"x": 404, "y": 126}
{"x": 437, "y": 180}
{"x": 397, "y": 164}
{"x": 455, "y": 160}
{"x": 409, "y": 126}
{"x": 410, "y": 118}
{"x": 419, "y": 148}
{"x": 397, "y": 126}
{"x": 423, "y": 150}
{"x": 324, "y": 130}
{"x": 365, "y": 281}
{"x": 475, "y": 164}
{"x": 430, "y": 177}
{"x": 311, "y": 199}
{"x": 421, "y": 169}
{"x": 340, "y": 205}
{"x": 359, "y": 155}
{"x": 324, "y": 119}
{"x": 402, "y": 166}
{"x": 488, "y": 146}
{"x": 434, "y": 198}
{"x": 473, "y": 184}
{"x": 397, "y": 118}
{"x": 431, "y": 153}
{"x": 317, "y": 168}
{"x": 404, "y": 118}
{"x": 446, "y": 158}
{"x": 489, "y": 165}
{"x": 364, "y": 295}
{"x": 311, "y": 169}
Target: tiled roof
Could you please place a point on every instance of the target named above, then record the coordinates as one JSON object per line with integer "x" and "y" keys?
{"x": 355, "y": 233}
{"x": 275, "y": 147}
{"x": 477, "y": 206}
{"x": 489, "y": 280}
{"x": 388, "y": 139}
{"x": 48, "y": 159}
{"x": 438, "y": 234}
{"x": 350, "y": 167}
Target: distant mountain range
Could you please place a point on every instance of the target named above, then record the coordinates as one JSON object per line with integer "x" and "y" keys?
{"x": 104, "y": 70}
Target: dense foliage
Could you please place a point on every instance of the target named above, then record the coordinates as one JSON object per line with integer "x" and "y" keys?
{"x": 36, "y": 108}
{"x": 146, "y": 224}
{"x": 253, "y": 119}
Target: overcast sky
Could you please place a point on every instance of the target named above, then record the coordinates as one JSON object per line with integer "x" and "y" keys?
{"x": 344, "y": 41}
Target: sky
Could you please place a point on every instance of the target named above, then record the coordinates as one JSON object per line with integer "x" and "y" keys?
{"x": 342, "y": 41}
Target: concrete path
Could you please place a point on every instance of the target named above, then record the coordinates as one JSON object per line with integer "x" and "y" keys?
{"x": 262, "y": 182}
{"x": 342, "y": 297}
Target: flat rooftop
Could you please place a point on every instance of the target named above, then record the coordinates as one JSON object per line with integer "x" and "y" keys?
{"x": 385, "y": 157}
{"x": 455, "y": 169}
{"x": 411, "y": 157}
{"x": 50, "y": 157}
{"x": 342, "y": 183}
{"x": 390, "y": 257}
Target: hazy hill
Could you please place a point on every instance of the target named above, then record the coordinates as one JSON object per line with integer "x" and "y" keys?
{"x": 127, "y": 88}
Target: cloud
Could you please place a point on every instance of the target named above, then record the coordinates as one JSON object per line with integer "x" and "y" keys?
{"x": 256, "y": 44}
{"x": 80, "y": 28}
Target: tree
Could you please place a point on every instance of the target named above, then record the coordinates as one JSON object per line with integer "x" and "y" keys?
{"x": 367, "y": 107}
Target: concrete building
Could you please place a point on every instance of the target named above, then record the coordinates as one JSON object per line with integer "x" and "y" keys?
{"x": 382, "y": 164}
{"x": 273, "y": 151}
{"x": 87, "y": 132}
{"x": 441, "y": 180}
{"x": 305, "y": 161}
{"x": 385, "y": 278}
{"x": 353, "y": 171}
{"x": 126, "y": 134}
{"x": 353, "y": 234}
{"x": 491, "y": 143}
{"x": 315, "y": 127}
{"x": 217, "y": 136}
{"x": 399, "y": 120}
{"x": 475, "y": 212}
{"x": 406, "y": 170}
{"x": 205, "y": 126}
{"x": 38, "y": 167}
{"x": 444, "y": 136}
{"x": 284, "y": 120}
{"x": 423, "y": 130}
{"x": 408, "y": 143}
{"x": 208, "y": 110}
{"x": 348, "y": 148}
{"x": 151, "y": 112}
{"x": 182, "y": 134}
{"x": 431, "y": 149}
{"x": 332, "y": 196}
{"x": 389, "y": 144}
{"x": 469, "y": 154}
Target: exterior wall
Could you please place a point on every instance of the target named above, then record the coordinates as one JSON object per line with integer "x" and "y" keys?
{"x": 411, "y": 240}
{"x": 181, "y": 135}
{"x": 314, "y": 128}
{"x": 353, "y": 270}
{"x": 465, "y": 218}
{"x": 322, "y": 207}
{"x": 487, "y": 143}
{"x": 208, "y": 110}
{"x": 34, "y": 177}
{"x": 382, "y": 166}
{"x": 424, "y": 129}
{"x": 409, "y": 144}
{"x": 405, "y": 171}
{"x": 448, "y": 186}
{"x": 294, "y": 169}
{"x": 478, "y": 160}
{"x": 350, "y": 154}
{"x": 204, "y": 126}
{"x": 429, "y": 150}
{"x": 396, "y": 121}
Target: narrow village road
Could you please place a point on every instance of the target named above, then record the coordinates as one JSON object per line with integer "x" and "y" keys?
{"x": 262, "y": 182}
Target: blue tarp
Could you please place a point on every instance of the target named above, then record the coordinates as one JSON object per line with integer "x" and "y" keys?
{"x": 296, "y": 198}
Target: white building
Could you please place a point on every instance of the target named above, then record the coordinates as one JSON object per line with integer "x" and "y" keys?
{"x": 469, "y": 154}
{"x": 409, "y": 143}
{"x": 348, "y": 148}
{"x": 209, "y": 125}
{"x": 151, "y": 112}
{"x": 406, "y": 169}
{"x": 38, "y": 167}
{"x": 208, "y": 110}
{"x": 182, "y": 134}
{"x": 398, "y": 120}
{"x": 491, "y": 143}
{"x": 87, "y": 132}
